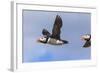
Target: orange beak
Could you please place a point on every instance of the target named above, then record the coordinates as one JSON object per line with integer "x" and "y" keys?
{"x": 82, "y": 38}
{"x": 38, "y": 40}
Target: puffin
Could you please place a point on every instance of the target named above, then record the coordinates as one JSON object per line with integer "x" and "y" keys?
{"x": 87, "y": 39}
{"x": 54, "y": 37}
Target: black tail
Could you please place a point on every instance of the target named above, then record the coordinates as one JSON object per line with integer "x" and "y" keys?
{"x": 65, "y": 42}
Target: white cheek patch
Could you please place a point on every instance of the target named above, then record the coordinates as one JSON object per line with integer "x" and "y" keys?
{"x": 43, "y": 39}
{"x": 86, "y": 36}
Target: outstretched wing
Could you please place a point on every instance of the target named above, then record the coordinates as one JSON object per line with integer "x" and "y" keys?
{"x": 45, "y": 32}
{"x": 57, "y": 28}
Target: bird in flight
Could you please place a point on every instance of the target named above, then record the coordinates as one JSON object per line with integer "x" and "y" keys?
{"x": 86, "y": 38}
{"x": 54, "y": 37}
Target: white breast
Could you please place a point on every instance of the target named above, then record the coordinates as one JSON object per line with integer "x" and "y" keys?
{"x": 59, "y": 42}
{"x": 54, "y": 41}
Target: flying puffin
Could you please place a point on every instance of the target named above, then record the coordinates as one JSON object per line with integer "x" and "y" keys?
{"x": 53, "y": 38}
{"x": 87, "y": 38}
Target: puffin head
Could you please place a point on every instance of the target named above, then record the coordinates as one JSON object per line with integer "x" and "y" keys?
{"x": 86, "y": 37}
{"x": 42, "y": 39}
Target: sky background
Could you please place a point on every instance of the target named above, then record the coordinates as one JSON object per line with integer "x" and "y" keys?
{"x": 74, "y": 26}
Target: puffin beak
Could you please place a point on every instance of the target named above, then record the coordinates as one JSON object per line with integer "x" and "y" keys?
{"x": 82, "y": 37}
{"x": 38, "y": 40}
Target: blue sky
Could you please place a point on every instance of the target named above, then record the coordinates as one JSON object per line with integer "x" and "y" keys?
{"x": 74, "y": 26}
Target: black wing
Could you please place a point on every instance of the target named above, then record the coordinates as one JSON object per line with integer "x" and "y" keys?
{"x": 45, "y": 32}
{"x": 87, "y": 44}
{"x": 57, "y": 28}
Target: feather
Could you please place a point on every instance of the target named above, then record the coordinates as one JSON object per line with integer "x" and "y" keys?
{"x": 57, "y": 28}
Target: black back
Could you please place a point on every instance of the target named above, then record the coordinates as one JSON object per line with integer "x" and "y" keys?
{"x": 88, "y": 42}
